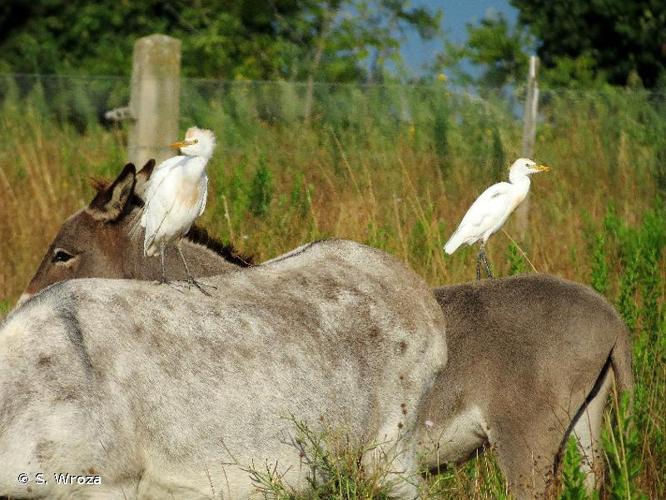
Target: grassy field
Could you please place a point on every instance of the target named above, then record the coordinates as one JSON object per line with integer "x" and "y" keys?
{"x": 396, "y": 168}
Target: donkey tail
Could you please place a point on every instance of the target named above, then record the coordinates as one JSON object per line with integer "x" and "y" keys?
{"x": 620, "y": 358}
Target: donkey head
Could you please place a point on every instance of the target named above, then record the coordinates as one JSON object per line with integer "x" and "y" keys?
{"x": 94, "y": 242}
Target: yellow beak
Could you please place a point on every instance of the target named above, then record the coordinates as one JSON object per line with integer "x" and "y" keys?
{"x": 182, "y": 144}
{"x": 542, "y": 168}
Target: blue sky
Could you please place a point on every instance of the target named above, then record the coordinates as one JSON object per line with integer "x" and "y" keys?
{"x": 457, "y": 14}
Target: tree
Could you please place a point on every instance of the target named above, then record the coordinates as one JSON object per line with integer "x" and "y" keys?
{"x": 250, "y": 39}
{"x": 616, "y": 40}
{"x": 221, "y": 38}
{"x": 501, "y": 50}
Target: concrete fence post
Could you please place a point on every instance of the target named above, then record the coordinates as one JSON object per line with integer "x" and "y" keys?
{"x": 529, "y": 136}
{"x": 154, "y": 98}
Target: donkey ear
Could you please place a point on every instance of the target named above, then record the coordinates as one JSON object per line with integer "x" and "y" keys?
{"x": 110, "y": 203}
{"x": 142, "y": 177}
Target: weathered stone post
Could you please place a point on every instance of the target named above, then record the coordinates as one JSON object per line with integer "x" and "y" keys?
{"x": 155, "y": 91}
{"x": 529, "y": 136}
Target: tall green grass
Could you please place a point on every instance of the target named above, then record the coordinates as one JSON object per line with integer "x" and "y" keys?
{"x": 395, "y": 167}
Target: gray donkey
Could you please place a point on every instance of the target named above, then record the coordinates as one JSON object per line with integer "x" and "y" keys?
{"x": 165, "y": 393}
{"x": 530, "y": 356}
{"x": 531, "y": 360}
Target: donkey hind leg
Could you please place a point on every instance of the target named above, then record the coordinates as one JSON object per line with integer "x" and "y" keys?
{"x": 587, "y": 431}
{"x": 528, "y": 460}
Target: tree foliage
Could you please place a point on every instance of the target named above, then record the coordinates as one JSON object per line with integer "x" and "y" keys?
{"x": 618, "y": 40}
{"x": 494, "y": 45}
{"x": 581, "y": 44}
{"x": 249, "y": 39}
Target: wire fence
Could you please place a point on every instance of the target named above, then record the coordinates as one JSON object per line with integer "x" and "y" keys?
{"x": 486, "y": 124}
{"x": 83, "y": 100}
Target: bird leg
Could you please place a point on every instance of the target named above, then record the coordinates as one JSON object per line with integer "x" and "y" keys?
{"x": 190, "y": 278}
{"x": 164, "y": 280}
{"x": 483, "y": 257}
{"x": 478, "y": 266}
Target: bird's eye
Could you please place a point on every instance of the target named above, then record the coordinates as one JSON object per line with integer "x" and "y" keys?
{"x": 60, "y": 255}
{"x": 194, "y": 141}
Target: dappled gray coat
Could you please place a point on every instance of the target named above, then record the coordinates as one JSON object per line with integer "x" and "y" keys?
{"x": 164, "y": 391}
{"x": 530, "y": 359}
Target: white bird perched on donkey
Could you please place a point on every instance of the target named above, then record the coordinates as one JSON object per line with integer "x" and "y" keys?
{"x": 491, "y": 210}
{"x": 176, "y": 196}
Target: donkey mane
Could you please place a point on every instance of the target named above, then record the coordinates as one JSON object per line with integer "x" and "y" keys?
{"x": 196, "y": 234}
{"x": 227, "y": 251}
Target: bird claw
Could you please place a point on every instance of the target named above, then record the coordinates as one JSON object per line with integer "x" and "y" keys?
{"x": 172, "y": 284}
{"x": 200, "y": 286}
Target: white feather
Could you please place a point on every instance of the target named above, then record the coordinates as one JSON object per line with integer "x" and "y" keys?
{"x": 491, "y": 209}
{"x": 176, "y": 193}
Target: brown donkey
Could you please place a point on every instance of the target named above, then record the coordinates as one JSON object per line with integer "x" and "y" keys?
{"x": 530, "y": 358}
{"x": 98, "y": 241}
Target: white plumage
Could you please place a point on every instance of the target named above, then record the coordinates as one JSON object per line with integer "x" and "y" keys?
{"x": 176, "y": 194}
{"x": 175, "y": 197}
{"x": 490, "y": 210}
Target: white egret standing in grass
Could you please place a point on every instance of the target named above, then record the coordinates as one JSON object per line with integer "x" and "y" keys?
{"x": 490, "y": 210}
{"x": 176, "y": 196}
